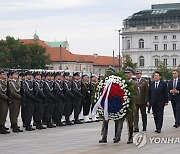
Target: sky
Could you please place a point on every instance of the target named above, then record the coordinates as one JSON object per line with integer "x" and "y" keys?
{"x": 90, "y": 26}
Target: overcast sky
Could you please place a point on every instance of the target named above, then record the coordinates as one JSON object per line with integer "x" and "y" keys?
{"x": 88, "y": 25}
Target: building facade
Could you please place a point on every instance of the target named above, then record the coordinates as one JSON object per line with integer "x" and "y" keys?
{"x": 152, "y": 36}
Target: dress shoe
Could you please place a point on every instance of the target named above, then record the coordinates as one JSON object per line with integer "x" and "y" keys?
{"x": 116, "y": 140}
{"x": 69, "y": 123}
{"x": 77, "y": 122}
{"x": 4, "y": 131}
{"x": 176, "y": 125}
{"x": 144, "y": 129}
{"x": 103, "y": 141}
{"x": 136, "y": 130}
{"x": 50, "y": 125}
{"x": 130, "y": 141}
{"x": 29, "y": 128}
{"x": 6, "y": 128}
{"x": 158, "y": 131}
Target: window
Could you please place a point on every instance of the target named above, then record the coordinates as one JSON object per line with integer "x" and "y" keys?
{"x": 174, "y": 46}
{"x": 165, "y": 61}
{"x": 156, "y": 62}
{"x": 156, "y": 37}
{"x": 86, "y": 68}
{"x": 141, "y": 44}
{"x": 90, "y": 68}
{"x": 174, "y": 37}
{"x": 156, "y": 47}
{"x": 128, "y": 44}
{"x": 174, "y": 61}
{"x": 165, "y": 37}
{"x": 141, "y": 61}
{"x": 165, "y": 46}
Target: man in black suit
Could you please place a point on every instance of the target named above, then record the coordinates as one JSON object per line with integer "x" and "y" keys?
{"x": 158, "y": 98}
{"x": 174, "y": 96}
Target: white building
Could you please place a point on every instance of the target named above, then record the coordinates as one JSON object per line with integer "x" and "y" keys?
{"x": 150, "y": 36}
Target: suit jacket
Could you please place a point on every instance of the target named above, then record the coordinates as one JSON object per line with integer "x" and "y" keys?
{"x": 170, "y": 87}
{"x": 141, "y": 97}
{"x": 158, "y": 96}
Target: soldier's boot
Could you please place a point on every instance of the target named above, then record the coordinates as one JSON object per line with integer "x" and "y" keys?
{"x": 130, "y": 139}
{"x": 104, "y": 134}
{"x": 16, "y": 128}
{"x": 3, "y": 130}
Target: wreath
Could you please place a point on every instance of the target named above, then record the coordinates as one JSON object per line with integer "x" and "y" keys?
{"x": 113, "y": 96}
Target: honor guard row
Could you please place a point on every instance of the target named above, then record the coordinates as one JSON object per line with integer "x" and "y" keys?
{"x": 43, "y": 99}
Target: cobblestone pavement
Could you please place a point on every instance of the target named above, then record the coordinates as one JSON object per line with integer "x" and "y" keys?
{"x": 83, "y": 139}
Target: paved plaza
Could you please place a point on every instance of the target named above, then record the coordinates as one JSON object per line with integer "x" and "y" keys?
{"x": 83, "y": 139}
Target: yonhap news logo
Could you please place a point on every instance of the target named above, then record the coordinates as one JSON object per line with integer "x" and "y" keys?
{"x": 141, "y": 139}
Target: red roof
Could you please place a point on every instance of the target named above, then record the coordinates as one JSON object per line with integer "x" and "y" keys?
{"x": 67, "y": 56}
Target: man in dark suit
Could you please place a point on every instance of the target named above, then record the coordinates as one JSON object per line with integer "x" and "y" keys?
{"x": 158, "y": 98}
{"x": 174, "y": 96}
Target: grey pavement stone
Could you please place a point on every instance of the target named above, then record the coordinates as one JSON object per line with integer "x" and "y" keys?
{"x": 83, "y": 139}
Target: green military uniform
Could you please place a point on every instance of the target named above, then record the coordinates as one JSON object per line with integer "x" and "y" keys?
{"x": 15, "y": 102}
{"x": 3, "y": 105}
{"x": 140, "y": 103}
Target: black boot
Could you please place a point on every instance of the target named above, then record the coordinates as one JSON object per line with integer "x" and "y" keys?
{"x": 3, "y": 130}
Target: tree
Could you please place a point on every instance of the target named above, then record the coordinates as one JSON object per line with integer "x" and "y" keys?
{"x": 14, "y": 54}
{"x": 166, "y": 73}
{"x": 127, "y": 62}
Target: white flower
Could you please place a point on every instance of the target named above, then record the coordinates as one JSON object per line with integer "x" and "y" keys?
{"x": 123, "y": 81}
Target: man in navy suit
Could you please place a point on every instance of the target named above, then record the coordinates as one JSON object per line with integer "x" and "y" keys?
{"x": 174, "y": 96}
{"x": 158, "y": 98}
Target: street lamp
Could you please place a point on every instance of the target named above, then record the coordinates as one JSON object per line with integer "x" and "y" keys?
{"x": 119, "y": 31}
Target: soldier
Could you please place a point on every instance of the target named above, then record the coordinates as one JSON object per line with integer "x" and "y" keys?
{"x": 40, "y": 98}
{"x": 68, "y": 98}
{"x": 15, "y": 101}
{"x": 50, "y": 98}
{"x": 29, "y": 101}
{"x": 3, "y": 102}
{"x": 59, "y": 101}
{"x": 76, "y": 88}
{"x": 140, "y": 101}
{"x": 86, "y": 102}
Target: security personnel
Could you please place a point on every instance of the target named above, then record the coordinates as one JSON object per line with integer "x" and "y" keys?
{"x": 59, "y": 101}
{"x": 86, "y": 102}
{"x": 140, "y": 101}
{"x": 39, "y": 101}
{"x": 76, "y": 88}
{"x": 28, "y": 101}
{"x": 68, "y": 98}
{"x": 50, "y": 98}
{"x": 3, "y": 102}
{"x": 15, "y": 101}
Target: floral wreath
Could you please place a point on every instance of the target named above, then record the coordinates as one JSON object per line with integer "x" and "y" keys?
{"x": 113, "y": 95}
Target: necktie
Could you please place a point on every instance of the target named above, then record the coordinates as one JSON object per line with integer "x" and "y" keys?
{"x": 174, "y": 84}
{"x": 156, "y": 85}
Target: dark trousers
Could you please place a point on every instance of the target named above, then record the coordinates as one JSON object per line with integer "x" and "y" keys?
{"x": 118, "y": 128}
{"x": 130, "y": 122}
{"x": 176, "y": 109}
{"x": 158, "y": 112}
{"x": 58, "y": 111}
{"x": 3, "y": 112}
{"x": 48, "y": 112}
{"x": 28, "y": 113}
{"x": 86, "y": 107}
{"x": 67, "y": 109}
{"x": 38, "y": 113}
{"x": 104, "y": 130}
{"x": 77, "y": 108}
{"x": 142, "y": 108}
{"x": 14, "y": 108}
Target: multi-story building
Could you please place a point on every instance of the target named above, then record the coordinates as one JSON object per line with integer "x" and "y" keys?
{"x": 74, "y": 62}
{"x": 151, "y": 36}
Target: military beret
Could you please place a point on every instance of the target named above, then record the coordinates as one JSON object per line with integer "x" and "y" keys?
{"x": 128, "y": 70}
{"x": 138, "y": 72}
{"x": 94, "y": 75}
{"x": 43, "y": 74}
{"x": 58, "y": 74}
{"x": 84, "y": 75}
{"x": 28, "y": 73}
{"x": 76, "y": 74}
{"x": 111, "y": 69}
{"x": 14, "y": 72}
{"x": 48, "y": 74}
{"x": 66, "y": 74}
{"x": 36, "y": 74}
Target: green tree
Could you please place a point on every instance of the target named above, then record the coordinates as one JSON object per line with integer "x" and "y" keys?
{"x": 166, "y": 73}
{"x": 127, "y": 62}
{"x": 14, "y": 54}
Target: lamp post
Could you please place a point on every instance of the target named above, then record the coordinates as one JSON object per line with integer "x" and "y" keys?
{"x": 60, "y": 59}
{"x": 119, "y": 49}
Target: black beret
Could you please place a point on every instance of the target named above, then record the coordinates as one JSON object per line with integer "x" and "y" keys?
{"x": 58, "y": 74}
{"x": 76, "y": 74}
{"x": 84, "y": 75}
{"x": 28, "y": 73}
{"x": 43, "y": 74}
{"x": 66, "y": 74}
{"x": 48, "y": 74}
{"x": 111, "y": 69}
{"x": 36, "y": 74}
{"x": 14, "y": 72}
{"x": 2, "y": 72}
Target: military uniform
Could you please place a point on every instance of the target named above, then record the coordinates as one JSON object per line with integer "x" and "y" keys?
{"x": 3, "y": 105}
{"x": 39, "y": 104}
{"x": 15, "y": 103}
{"x": 140, "y": 103}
